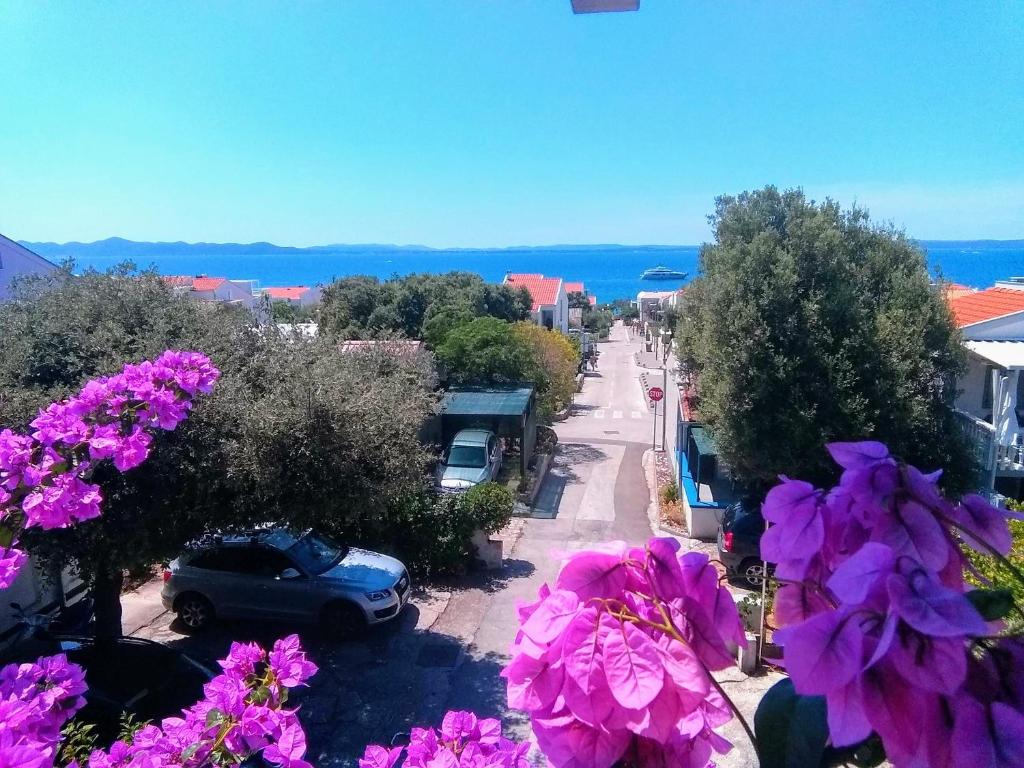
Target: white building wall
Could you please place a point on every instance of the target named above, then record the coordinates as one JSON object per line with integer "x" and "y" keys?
{"x": 1001, "y": 328}
{"x": 971, "y": 388}
{"x": 17, "y": 261}
{"x": 562, "y": 310}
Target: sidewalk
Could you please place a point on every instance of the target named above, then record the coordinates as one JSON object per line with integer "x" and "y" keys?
{"x": 141, "y": 607}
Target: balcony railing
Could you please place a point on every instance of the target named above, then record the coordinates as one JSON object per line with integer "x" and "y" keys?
{"x": 988, "y": 452}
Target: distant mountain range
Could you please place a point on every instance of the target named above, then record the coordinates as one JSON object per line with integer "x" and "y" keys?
{"x": 118, "y": 247}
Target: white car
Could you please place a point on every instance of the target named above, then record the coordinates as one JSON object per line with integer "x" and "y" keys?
{"x": 473, "y": 457}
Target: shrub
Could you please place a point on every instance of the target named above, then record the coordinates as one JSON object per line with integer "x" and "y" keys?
{"x": 670, "y": 493}
{"x": 435, "y": 530}
{"x": 990, "y": 572}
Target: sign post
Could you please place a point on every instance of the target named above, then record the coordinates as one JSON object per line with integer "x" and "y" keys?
{"x": 655, "y": 394}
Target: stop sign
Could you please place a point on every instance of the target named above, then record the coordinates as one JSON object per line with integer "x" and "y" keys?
{"x": 655, "y": 393}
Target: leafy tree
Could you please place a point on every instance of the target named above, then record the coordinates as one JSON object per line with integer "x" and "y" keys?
{"x": 554, "y": 364}
{"x": 490, "y": 351}
{"x": 286, "y": 312}
{"x": 809, "y": 324}
{"x": 578, "y": 300}
{"x": 420, "y": 306}
{"x": 295, "y": 433}
{"x": 484, "y": 351}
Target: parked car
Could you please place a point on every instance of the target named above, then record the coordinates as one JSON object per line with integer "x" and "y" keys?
{"x": 739, "y": 542}
{"x": 274, "y": 574}
{"x": 473, "y": 457}
{"x": 126, "y": 675}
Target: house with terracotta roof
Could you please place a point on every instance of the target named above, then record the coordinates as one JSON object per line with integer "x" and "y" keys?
{"x": 217, "y": 289}
{"x": 296, "y": 295}
{"x": 550, "y": 300}
{"x": 990, "y": 395}
{"x": 18, "y": 261}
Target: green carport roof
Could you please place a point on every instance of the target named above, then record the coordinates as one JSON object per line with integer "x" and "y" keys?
{"x": 487, "y": 402}
{"x": 705, "y": 444}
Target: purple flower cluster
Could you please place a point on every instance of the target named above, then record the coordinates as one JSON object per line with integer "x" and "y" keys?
{"x": 35, "y": 702}
{"x": 464, "y": 741}
{"x": 614, "y": 662}
{"x": 243, "y": 713}
{"x": 44, "y": 475}
{"x": 877, "y": 617}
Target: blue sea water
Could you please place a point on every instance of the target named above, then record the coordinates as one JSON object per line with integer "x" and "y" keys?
{"x": 608, "y": 273}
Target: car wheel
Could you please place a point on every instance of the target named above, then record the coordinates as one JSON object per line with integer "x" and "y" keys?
{"x": 752, "y": 572}
{"x": 343, "y": 621}
{"x": 195, "y": 612}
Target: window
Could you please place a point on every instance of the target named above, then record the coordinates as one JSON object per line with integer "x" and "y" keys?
{"x": 253, "y": 561}
{"x": 986, "y": 393}
{"x": 471, "y": 456}
{"x": 316, "y": 554}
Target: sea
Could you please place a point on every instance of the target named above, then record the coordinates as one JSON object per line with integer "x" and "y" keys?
{"x": 608, "y": 272}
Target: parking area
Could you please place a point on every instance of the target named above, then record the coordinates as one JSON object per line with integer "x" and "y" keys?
{"x": 397, "y": 675}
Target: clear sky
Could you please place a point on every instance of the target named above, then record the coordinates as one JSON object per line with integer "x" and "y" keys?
{"x": 473, "y": 123}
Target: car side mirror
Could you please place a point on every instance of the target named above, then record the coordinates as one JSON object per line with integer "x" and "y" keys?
{"x": 289, "y": 573}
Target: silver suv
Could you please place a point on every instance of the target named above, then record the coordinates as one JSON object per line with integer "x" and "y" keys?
{"x": 274, "y": 574}
{"x": 473, "y": 457}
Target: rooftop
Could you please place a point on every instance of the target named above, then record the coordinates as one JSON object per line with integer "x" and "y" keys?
{"x": 979, "y": 306}
{"x": 292, "y": 292}
{"x": 575, "y": 288}
{"x": 543, "y": 290}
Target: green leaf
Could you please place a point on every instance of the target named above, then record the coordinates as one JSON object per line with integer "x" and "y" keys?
{"x": 213, "y": 717}
{"x": 6, "y": 536}
{"x": 992, "y": 604}
{"x": 791, "y": 730}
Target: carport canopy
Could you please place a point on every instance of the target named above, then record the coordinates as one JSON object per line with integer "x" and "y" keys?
{"x": 487, "y": 402}
{"x": 507, "y": 411}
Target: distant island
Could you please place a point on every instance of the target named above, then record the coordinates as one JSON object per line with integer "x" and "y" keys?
{"x": 119, "y": 247}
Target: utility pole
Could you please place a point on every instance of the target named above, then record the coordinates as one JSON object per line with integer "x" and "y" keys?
{"x": 664, "y": 408}
{"x": 654, "y": 434}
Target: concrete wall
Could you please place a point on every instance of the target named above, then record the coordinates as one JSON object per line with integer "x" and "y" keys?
{"x": 17, "y": 261}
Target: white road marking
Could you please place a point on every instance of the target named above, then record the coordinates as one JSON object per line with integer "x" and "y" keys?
{"x": 598, "y": 414}
{"x": 636, "y": 415}
{"x": 617, "y": 415}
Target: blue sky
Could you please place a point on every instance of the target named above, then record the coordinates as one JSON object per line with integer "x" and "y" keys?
{"x": 477, "y": 123}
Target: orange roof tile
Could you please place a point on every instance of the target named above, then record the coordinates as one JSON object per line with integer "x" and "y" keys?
{"x": 178, "y": 281}
{"x": 207, "y": 283}
{"x": 574, "y": 288}
{"x": 543, "y": 290}
{"x": 978, "y": 306}
{"x": 293, "y": 292}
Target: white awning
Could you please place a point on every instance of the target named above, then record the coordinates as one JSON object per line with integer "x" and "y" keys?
{"x": 1005, "y": 354}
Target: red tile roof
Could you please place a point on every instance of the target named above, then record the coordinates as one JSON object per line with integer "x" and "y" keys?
{"x": 978, "y": 306}
{"x": 543, "y": 290}
{"x": 593, "y": 300}
{"x": 178, "y": 281}
{"x": 207, "y": 283}
{"x": 574, "y": 288}
{"x": 293, "y": 292}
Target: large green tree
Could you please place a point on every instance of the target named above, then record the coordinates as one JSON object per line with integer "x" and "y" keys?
{"x": 809, "y": 324}
{"x": 419, "y": 306}
{"x": 295, "y": 432}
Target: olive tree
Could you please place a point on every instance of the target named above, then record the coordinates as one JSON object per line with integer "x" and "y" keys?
{"x": 809, "y": 324}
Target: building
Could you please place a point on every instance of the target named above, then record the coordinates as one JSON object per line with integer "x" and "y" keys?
{"x": 220, "y": 289}
{"x": 989, "y": 394}
{"x": 296, "y": 295}
{"x": 550, "y": 301}
{"x": 18, "y": 261}
{"x": 649, "y": 303}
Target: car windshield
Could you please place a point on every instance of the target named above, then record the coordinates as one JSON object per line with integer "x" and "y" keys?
{"x": 315, "y": 553}
{"x": 472, "y": 456}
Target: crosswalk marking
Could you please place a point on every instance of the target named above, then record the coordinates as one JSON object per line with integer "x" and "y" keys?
{"x": 598, "y": 414}
{"x": 617, "y": 415}
{"x": 636, "y": 415}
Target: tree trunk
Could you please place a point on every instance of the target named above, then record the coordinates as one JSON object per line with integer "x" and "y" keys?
{"x": 107, "y": 595}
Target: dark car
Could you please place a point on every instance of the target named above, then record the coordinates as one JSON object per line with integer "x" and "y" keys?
{"x": 739, "y": 542}
{"x": 126, "y": 675}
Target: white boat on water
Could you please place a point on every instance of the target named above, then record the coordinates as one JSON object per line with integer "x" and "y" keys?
{"x": 663, "y": 273}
